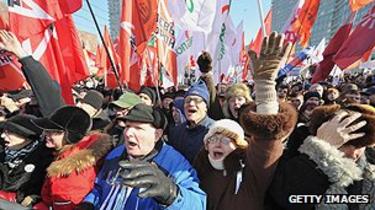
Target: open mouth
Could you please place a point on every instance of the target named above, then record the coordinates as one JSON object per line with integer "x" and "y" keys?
{"x": 192, "y": 111}
{"x": 218, "y": 155}
{"x": 132, "y": 143}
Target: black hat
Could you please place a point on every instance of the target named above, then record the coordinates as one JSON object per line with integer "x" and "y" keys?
{"x": 149, "y": 92}
{"x": 70, "y": 119}
{"x": 146, "y": 114}
{"x": 22, "y": 125}
{"x": 93, "y": 98}
{"x": 168, "y": 95}
{"x": 21, "y": 94}
{"x": 310, "y": 95}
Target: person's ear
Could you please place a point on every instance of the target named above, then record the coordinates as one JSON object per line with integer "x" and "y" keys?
{"x": 158, "y": 134}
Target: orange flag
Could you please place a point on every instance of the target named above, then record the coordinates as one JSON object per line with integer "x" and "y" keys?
{"x": 305, "y": 20}
{"x": 355, "y": 5}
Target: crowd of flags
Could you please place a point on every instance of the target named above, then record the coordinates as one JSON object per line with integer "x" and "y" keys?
{"x": 160, "y": 40}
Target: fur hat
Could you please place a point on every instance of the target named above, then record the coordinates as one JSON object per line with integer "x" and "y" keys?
{"x": 324, "y": 113}
{"x": 239, "y": 89}
{"x": 70, "y": 119}
{"x": 22, "y": 126}
{"x": 230, "y": 129}
{"x": 205, "y": 62}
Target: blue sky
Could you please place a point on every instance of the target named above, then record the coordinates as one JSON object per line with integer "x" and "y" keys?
{"x": 246, "y": 10}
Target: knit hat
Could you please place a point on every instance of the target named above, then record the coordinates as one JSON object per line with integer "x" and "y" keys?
{"x": 93, "y": 98}
{"x": 127, "y": 100}
{"x": 205, "y": 62}
{"x": 239, "y": 89}
{"x": 149, "y": 92}
{"x": 146, "y": 114}
{"x": 323, "y": 114}
{"x": 168, "y": 95}
{"x": 311, "y": 95}
{"x": 199, "y": 89}
{"x": 22, "y": 125}
{"x": 230, "y": 129}
{"x": 70, "y": 119}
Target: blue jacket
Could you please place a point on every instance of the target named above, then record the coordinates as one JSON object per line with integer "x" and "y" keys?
{"x": 106, "y": 196}
{"x": 189, "y": 141}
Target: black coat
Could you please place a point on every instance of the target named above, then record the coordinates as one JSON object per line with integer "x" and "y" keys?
{"x": 25, "y": 183}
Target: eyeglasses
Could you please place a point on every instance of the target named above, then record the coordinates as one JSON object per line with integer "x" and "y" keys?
{"x": 194, "y": 99}
{"x": 219, "y": 139}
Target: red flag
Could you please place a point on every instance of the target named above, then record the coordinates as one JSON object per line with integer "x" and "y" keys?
{"x": 359, "y": 42}
{"x": 28, "y": 17}
{"x": 138, "y": 22}
{"x": 355, "y": 5}
{"x": 245, "y": 60}
{"x": 71, "y": 50}
{"x": 305, "y": 20}
{"x": 326, "y": 65}
{"x": 11, "y": 76}
{"x": 257, "y": 42}
{"x": 110, "y": 76}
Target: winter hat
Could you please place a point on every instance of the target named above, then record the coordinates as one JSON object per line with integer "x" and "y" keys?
{"x": 323, "y": 114}
{"x": 127, "y": 100}
{"x": 22, "y": 126}
{"x": 239, "y": 89}
{"x": 205, "y": 62}
{"x": 149, "y": 92}
{"x": 199, "y": 89}
{"x": 311, "y": 95}
{"x": 70, "y": 119}
{"x": 230, "y": 129}
{"x": 93, "y": 98}
{"x": 168, "y": 95}
{"x": 146, "y": 114}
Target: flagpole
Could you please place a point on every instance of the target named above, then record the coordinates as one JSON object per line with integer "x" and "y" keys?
{"x": 261, "y": 16}
{"x": 114, "y": 69}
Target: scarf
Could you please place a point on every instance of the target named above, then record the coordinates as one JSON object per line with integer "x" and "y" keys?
{"x": 13, "y": 158}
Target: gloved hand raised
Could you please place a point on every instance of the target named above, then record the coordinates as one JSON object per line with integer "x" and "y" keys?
{"x": 273, "y": 51}
{"x": 338, "y": 130}
{"x": 141, "y": 174}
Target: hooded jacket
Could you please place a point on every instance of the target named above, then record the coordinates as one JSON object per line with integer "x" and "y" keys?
{"x": 247, "y": 172}
{"x": 71, "y": 176}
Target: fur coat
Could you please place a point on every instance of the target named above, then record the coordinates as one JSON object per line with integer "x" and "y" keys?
{"x": 71, "y": 176}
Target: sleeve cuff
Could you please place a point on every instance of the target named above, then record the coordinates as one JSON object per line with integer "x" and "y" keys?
{"x": 331, "y": 161}
{"x": 266, "y": 97}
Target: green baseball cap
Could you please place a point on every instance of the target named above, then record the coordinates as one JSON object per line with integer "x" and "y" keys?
{"x": 127, "y": 100}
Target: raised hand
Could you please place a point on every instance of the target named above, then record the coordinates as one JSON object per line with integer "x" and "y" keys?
{"x": 273, "y": 51}
{"x": 337, "y": 131}
{"x": 9, "y": 42}
{"x": 145, "y": 175}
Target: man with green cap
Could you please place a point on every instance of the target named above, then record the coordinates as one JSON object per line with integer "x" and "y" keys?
{"x": 118, "y": 109}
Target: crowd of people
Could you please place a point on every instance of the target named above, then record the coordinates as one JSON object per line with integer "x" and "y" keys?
{"x": 206, "y": 146}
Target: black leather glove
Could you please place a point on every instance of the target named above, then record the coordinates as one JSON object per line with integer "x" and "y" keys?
{"x": 205, "y": 62}
{"x": 84, "y": 206}
{"x": 141, "y": 174}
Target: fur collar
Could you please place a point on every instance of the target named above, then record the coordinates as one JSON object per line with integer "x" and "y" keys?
{"x": 78, "y": 157}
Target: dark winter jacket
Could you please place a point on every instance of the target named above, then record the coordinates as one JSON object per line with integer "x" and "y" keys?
{"x": 26, "y": 179}
{"x": 320, "y": 169}
{"x": 189, "y": 141}
{"x": 248, "y": 172}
